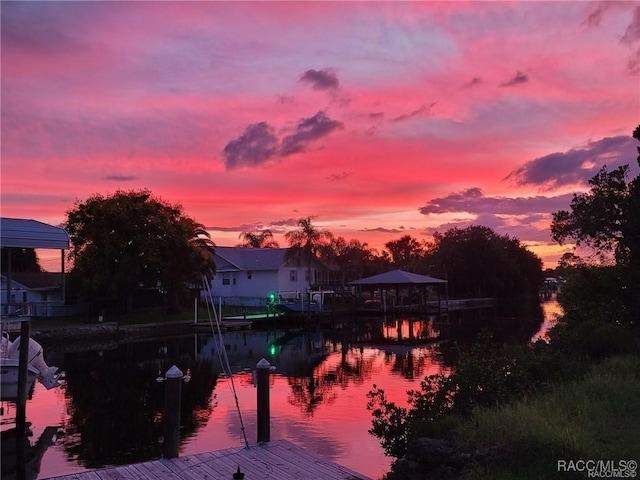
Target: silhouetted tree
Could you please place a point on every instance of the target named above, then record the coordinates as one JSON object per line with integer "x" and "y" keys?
{"x": 350, "y": 257}
{"x": 131, "y": 241}
{"x": 606, "y": 219}
{"x": 479, "y": 262}
{"x": 406, "y": 253}
{"x": 259, "y": 239}
{"x": 22, "y": 260}
{"x": 305, "y": 243}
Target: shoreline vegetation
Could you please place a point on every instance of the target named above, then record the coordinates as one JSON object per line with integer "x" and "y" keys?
{"x": 532, "y": 411}
{"x": 591, "y": 418}
{"x": 566, "y": 408}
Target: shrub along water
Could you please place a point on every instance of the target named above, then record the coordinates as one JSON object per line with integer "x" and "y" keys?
{"x": 593, "y": 418}
{"x": 555, "y": 398}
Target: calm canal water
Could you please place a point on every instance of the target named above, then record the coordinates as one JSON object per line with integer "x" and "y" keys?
{"x": 109, "y": 409}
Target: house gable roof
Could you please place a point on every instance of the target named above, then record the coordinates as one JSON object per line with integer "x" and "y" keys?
{"x": 36, "y": 280}
{"x": 398, "y": 277}
{"x": 249, "y": 259}
{"x": 23, "y": 233}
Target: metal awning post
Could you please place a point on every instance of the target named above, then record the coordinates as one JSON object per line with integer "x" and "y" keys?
{"x": 9, "y": 301}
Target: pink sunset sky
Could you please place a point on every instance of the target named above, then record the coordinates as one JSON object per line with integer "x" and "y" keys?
{"x": 375, "y": 119}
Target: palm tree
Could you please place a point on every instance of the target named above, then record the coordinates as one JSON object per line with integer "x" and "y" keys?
{"x": 305, "y": 243}
{"x": 263, "y": 239}
{"x": 349, "y": 257}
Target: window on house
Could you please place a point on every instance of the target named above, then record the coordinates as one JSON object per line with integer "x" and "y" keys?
{"x": 306, "y": 276}
{"x": 226, "y": 279}
{"x": 293, "y": 275}
{"x": 248, "y": 275}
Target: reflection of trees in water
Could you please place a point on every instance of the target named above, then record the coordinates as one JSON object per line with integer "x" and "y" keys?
{"x": 115, "y": 407}
{"x": 197, "y": 397}
{"x": 318, "y": 386}
{"x": 114, "y": 412}
{"x": 511, "y": 323}
{"x": 408, "y": 364}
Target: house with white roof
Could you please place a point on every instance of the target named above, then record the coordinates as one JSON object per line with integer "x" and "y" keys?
{"x": 247, "y": 276}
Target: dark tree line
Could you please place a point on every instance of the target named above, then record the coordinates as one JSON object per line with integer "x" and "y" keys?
{"x": 131, "y": 243}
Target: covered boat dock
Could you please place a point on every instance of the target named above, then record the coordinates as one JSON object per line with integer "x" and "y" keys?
{"x": 399, "y": 290}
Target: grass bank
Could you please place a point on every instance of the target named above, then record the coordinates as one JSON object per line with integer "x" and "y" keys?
{"x": 594, "y": 418}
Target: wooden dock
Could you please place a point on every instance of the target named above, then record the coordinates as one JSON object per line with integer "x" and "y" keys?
{"x": 225, "y": 326}
{"x": 277, "y": 460}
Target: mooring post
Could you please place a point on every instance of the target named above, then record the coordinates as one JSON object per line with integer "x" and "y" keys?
{"x": 21, "y": 406}
{"x": 262, "y": 382}
{"x": 173, "y": 395}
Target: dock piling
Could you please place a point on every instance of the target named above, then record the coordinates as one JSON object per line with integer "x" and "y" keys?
{"x": 173, "y": 395}
{"x": 263, "y": 369}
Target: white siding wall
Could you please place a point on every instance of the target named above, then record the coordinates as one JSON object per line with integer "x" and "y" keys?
{"x": 261, "y": 283}
{"x": 31, "y": 302}
{"x": 301, "y": 284}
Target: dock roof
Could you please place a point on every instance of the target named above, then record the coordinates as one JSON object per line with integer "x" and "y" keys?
{"x": 398, "y": 277}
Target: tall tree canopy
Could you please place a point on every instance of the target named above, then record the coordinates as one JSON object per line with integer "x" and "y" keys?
{"x": 406, "y": 253}
{"x": 479, "y": 262}
{"x": 132, "y": 240}
{"x": 606, "y": 217}
{"x": 350, "y": 257}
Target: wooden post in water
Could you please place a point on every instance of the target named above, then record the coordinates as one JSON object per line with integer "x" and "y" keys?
{"x": 21, "y": 406}
{"x": 173, "y": 394}
{"x": 263, "y": 369}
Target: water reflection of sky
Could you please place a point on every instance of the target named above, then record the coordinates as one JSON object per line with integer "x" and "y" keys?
{"x": 327, "y": 415}
{"x": 551, "y": 311}
{"x": 324, "y": 411}
{"x": 318, "y": 392}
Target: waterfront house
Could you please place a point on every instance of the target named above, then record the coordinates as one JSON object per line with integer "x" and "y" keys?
{"x": 248, "y": 276}
{"x": 37, "y": 294}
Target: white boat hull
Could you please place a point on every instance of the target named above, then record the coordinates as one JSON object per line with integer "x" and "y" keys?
{"x": 9, "y": 378}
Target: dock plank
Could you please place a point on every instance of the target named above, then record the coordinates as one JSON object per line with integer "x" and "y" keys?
{"x": 278, "y": 460}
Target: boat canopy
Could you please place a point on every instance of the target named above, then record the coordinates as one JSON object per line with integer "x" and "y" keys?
{"x": 23, "y": 233}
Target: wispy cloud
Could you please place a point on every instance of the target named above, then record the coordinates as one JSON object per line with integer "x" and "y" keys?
{"x": 121, "y": 178}
{"x": 473, "y": 200}
{"x": 577, "y": 165}
{"x": 520, "y": 228}
{"x": 335, "y": 177}
{"x": 632, "y": 33}
{"x": 325, "y": 79}
{"x": 424, "y": 110}
{"x": 259, "y": 142}
{"x": 254, "y": 147}
{"x": 383, "y": 230}
{"x": 475, "y": 81}
{"x": 518, "y": 79}
{"x": 308, "y": 130}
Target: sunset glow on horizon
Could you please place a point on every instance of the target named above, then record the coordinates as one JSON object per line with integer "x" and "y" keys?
{"x": 375, "y": 119}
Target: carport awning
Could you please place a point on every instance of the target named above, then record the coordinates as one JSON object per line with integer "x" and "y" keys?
{"x": 22, "y": 233}
{"x": 398, "y": 277}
